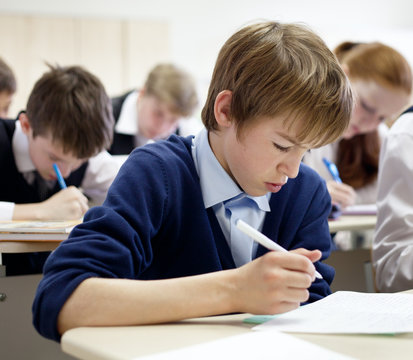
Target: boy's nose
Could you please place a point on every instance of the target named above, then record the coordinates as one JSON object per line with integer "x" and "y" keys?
{"x": 65, "y": 170}
{"x": 291, "y": 166}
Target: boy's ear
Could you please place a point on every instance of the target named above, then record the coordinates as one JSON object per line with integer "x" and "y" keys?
{"x": 222, "y": 108}
{"x": 25, "y": 123}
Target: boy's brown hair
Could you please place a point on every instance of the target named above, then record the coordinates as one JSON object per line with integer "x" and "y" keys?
{"x": 70, "y": 105}
{"x": 173, "y": 87}
{"x": 7, "y": 79}
{"x": 275, "y": 69}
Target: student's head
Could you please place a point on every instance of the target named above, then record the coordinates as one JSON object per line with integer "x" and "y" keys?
{"x": 68, "y": 119}
{"x": 381, "y": 79}
{"x": 283, "y": 79}
{"x": 7, "y": 88}
{"x": 168, "y": 95}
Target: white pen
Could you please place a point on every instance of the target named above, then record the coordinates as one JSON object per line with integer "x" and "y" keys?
{"x": 263, "y": 240}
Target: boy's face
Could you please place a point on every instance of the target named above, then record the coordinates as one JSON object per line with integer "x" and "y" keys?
{"x": 263, "y": 158}
{"x": 5, "y": 101}
{"x": 155, "y": 119}
{"x": 44, "y": 152}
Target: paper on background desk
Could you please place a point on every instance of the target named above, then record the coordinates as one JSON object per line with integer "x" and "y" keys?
{"x": 63, "y": 226}
{"x": 267, "y": 345}
{"x": 347, "y": 312}
{"x": 362, "y": 209}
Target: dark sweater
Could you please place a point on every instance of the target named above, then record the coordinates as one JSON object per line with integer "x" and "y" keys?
{"x": 154, "y": 225}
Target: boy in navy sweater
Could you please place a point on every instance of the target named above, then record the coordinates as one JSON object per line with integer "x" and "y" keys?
{"x": 163, "y": 247}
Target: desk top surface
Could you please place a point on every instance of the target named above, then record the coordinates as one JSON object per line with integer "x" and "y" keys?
{"x": 135, "y": 341}
{"x": 353, "y": 222}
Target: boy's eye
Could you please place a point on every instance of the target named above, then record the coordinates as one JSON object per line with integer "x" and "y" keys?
{"x": 282, "y": 148}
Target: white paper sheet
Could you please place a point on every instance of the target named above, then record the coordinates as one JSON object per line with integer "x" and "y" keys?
{"x": 361, "y": 209}
{"x": 346, "y": 312}
{"x": 252, "y": 345}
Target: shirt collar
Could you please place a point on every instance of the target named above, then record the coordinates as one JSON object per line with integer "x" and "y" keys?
{"x": 20, "y": 145}
{"x": 211, "y": 173}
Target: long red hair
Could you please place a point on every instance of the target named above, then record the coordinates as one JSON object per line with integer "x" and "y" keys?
{"x": 358, "y": 157}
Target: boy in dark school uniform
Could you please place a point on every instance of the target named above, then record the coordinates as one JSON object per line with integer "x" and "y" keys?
{"x": 161, "y": 107}
{"x": 68, "y": 121}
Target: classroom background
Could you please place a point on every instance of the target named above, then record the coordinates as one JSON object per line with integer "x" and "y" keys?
{"x": 121, "y": 40}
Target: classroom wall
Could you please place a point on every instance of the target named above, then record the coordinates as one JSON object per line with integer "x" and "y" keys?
{"x": 195, "y": 30}
{"x": 113, "y": 49}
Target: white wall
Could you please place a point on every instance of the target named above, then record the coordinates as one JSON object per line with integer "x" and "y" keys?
{"x": 199, "y": 28}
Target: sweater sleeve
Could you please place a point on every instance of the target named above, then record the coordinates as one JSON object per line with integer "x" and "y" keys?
{"x": 313, "y": 231}
{"x": 114, "y": 241}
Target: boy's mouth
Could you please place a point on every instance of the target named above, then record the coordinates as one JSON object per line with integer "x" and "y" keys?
{"x": 273, "y": 187}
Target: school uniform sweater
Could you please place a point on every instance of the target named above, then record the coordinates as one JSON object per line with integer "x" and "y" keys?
{"x": 154, "y": 225}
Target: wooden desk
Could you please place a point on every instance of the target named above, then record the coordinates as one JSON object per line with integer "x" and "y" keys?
{"x": 21, "y": 246}
{"x": 32, "y": 236}
{"x": 352, "y": 222}
{"x": 131, "y": 342}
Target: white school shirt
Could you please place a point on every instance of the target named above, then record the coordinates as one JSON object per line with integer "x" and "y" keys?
{"x": 393, "y": 238}
{"x": 127, "y": 123}
{"x": 100, "y": 172}
{"x": 217, "y": 187}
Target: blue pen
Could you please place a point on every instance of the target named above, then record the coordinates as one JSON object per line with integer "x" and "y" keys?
{"x": 332, "y": 168}
{"x": 59, "y": 177}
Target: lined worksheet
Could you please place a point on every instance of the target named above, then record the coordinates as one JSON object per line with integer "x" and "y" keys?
{"x": 347, "y": 312}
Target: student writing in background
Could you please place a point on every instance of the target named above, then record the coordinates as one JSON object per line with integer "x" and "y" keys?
{"x": 164, "y": 246}
{"x": 393, "y": 238}
{"x": 68, "y": 121}
{"x": 155, "y": 111}
{"x": 8, "y": 88}
{"x": 382, "y": 82}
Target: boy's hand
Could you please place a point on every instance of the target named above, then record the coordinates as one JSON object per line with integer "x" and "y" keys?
{"x": 67, "y": 204}
{"x": 341, "y": 194}
{"x": 276, "y": 282}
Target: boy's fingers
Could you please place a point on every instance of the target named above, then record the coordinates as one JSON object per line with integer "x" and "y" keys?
{"x": 292, "y": 261}
{"x": 312, "y": 255}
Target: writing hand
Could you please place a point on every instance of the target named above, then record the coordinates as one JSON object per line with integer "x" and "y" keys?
{"x": 341, "y": 194}
{"x": 67, "y": 204}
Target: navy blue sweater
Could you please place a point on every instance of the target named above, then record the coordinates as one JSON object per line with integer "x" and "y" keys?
{"x": 154, "y": 225}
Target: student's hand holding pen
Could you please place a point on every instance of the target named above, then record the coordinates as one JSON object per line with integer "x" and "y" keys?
{"x": 341, "y": 193}
{"x": 67, "y": 204}
{"x": 275, "y": 282}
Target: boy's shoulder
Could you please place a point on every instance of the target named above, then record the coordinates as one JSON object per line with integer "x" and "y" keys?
{"x": 172, "y": 155}
{"x": 175, "y": 145}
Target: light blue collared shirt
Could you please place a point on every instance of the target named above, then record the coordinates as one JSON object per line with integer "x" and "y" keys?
{"x": 218, "y": 187}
